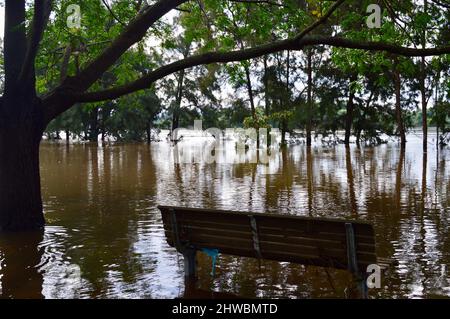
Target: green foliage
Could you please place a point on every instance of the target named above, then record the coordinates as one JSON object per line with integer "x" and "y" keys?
{"x": 133, "y": 116}
{"x": 441, "y": 116}
{"x": 260, "y": 120}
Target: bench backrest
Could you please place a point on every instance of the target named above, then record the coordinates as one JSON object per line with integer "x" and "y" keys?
{"x": 303, "y": 240}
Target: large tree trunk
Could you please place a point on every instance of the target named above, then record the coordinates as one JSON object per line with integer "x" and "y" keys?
{"x": 21, "y": 129}
{"x": 20, "y": 188}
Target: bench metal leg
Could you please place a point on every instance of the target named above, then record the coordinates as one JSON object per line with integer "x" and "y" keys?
{"x": 362, "y": 286}
{"x": 190, "y": 261}
{"x": 358, "y": 288}
{"x": 352, "y": 260}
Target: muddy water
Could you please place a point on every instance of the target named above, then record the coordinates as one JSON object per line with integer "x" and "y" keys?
{"x": 104, "y": 236}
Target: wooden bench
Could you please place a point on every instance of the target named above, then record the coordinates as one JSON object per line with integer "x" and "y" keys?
{"x": 340, "y": 244}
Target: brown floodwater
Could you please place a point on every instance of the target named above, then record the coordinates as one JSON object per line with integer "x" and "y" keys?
{"x": 104, "y": 236}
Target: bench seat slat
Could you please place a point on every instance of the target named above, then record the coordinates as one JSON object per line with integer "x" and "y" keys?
{"x": 288, "y": 234}
{"x": 313, "y": 226}
{"x": 334, "y": 243}
{"x": 317, "y": 241}
{"x": 270, "y": 249}
{"x": 340, "y": 237}
{"x": 287, "y": 230}
{"x": 272, "y": 220}
{"x": 296, "y": 242}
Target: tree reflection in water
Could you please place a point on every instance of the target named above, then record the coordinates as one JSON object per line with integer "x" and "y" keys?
{"x": 104, "y": 237}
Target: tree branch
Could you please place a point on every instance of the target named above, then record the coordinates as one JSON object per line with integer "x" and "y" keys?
{"x": 132, "y": 34}
{"x": 321, "y": 21}
{"x": 42, "y": 9}
{"x": 111, "y": 12}
{"x": 234, "y": 56}
{"x": 272, "y": 3}
{"x": 442, "y": 3}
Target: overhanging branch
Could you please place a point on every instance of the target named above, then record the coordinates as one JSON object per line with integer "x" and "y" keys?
{"x": 235, "y": 56}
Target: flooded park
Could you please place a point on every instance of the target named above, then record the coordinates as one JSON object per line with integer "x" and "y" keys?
{"x": 104, "y": 236}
